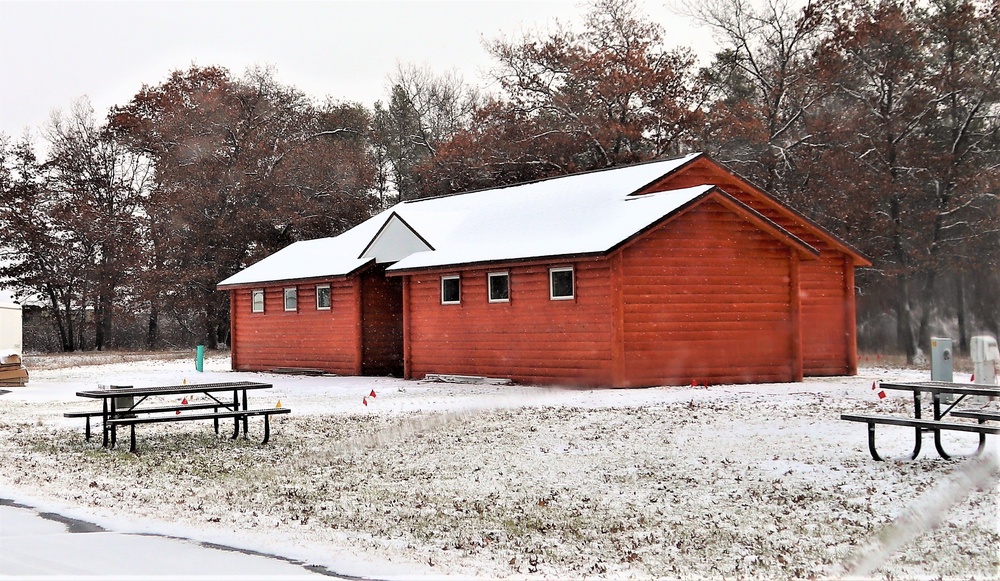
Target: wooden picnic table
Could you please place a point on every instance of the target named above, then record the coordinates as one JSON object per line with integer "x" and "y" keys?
{"x": 122, "y": 406}
{"x": 942, "y": 412}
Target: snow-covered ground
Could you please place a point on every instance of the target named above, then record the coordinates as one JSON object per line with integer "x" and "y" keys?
{"x": 434, "y": 479}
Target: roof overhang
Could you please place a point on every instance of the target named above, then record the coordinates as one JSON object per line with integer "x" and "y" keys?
{"x": 499, "y": 264}
{"x": 286, "y": 281}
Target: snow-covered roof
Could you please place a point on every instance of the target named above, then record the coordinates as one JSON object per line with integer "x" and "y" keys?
{"x": 579, "y": 214}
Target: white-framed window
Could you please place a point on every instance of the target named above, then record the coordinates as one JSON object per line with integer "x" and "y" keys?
{"x": 291, "y": 299}
{"x": 498, "y": 287}
{"x": 451, "y": 290}
{"x": 561, "y": 283}
{"x": 257, "y": 301}
{"x": 323, "y": 297}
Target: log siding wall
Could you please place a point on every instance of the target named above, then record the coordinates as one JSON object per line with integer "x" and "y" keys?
{"x": 530, "y": 339}
{"x": 825, "y": 328}
{"x": 828, "y": 327}
{"x": 708, "y": 298}
{"x": 307, "y": 337}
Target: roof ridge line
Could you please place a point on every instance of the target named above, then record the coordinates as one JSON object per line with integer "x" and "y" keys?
{"x": 551, "y": 178}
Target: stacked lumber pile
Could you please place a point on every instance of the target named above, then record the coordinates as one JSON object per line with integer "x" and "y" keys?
{"x": 11, "y": 371}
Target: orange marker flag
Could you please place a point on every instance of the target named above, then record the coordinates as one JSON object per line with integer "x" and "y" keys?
{"x": 372, "y": 394}
{"x": 184, "y": 401}
{"x": 278, "y": 405}
{"x": 881, "y": 395}
{"x": 364, "y": 401}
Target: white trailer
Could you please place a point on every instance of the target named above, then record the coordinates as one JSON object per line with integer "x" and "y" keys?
{"x": 11, "y": 338}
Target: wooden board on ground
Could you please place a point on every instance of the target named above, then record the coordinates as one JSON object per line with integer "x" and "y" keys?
{"x": 299, "y": 371}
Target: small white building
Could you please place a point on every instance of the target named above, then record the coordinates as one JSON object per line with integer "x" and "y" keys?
{"x": 11, "y": 337}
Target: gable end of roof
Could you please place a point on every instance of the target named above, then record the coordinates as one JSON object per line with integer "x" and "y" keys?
{"x": 388, "y": 222}
{"x": 806, "y": 250}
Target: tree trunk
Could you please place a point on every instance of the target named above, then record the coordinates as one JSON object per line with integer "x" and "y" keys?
{"x": 153, "y": 327}
{"x": 963, "y": 339}
{"x": 211, "y": 324}
{"x": 927, "y": 303}
{"x": 102, "y": 320}
{"x": 904, "y": 318}
{"x": 65, "y": 338}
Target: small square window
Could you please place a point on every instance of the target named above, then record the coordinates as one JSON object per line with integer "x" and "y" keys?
{"x": 561, "y": 283}
{"x": 257, "y": 301}
{"x": 451, "y": 293}
{"x": 323, "y": 298}
{"x": 499, "y": 287}
{"x": 291, "y": 299}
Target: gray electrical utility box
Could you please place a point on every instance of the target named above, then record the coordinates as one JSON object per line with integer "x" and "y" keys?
{"x": 941, "y": 359}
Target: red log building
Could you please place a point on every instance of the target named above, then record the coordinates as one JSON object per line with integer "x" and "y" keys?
{"x": 654, "y": 274}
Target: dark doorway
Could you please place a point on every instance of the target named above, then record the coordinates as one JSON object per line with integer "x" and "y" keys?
{"x": 381, "y": 323}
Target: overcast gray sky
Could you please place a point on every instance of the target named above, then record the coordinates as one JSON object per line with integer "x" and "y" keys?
{"x": 54, "y": 52}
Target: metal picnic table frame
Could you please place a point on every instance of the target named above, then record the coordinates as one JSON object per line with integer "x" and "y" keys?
{"x": 110, "y": 409}
{"x": 941, "y": 411}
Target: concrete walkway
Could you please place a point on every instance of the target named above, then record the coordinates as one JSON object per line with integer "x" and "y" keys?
{"x": 49, "y": 546}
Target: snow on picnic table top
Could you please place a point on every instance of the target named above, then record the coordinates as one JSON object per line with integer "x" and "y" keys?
{"x": 571, "y": 215}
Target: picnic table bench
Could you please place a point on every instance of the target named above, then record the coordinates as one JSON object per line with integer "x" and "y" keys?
{"x": 122, "y": 406}
{"x": 939, "y": 422}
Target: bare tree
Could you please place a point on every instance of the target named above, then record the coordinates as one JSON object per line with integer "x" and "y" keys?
{"x": 764, "y": 83}
{"x": 105, "y": 184}
{"x": 424, "y": 110}
{"x": 244, "y": 167}
{"x": 964, "y": 62}
{"x": 607, "y": 95}
{"x": 912, "y": 117}
{"x": 41, "y": 255}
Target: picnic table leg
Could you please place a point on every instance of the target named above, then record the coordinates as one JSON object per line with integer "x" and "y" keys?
{"x": 919, "y": 432}
{"x": 131, "y": 447}
{"x": 104, "y": 424}
{"x": 113, "y": 414}
{"x": 86, "y": 432}
{"x": 215, "y": 421}
{"x": 871, "y": 442}
{"x": 236, "y": 427}
{"x": 937, "y": 444}
{"x": 246, "y": 423}
{"x": 982, "y": 438}
{"x": 267, "y": 429}
{"x": 937, "y": 433}
{"x": 936, "y": 399}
